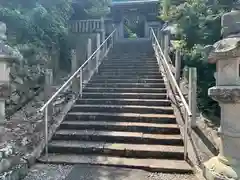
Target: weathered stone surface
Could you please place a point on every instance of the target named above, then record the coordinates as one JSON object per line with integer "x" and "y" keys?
{"x": 227, "y": 48}
{"x": 225, "y": 94}
{"x": 25, "y": 132}
{"x": 87, "y": 172}
{"x": 3, "y": 30}
{"x": 236, "y": 5}
{"x": 231, "y": 22}
{"x": 4, "y": 91}
{"x": 226, "y": 54}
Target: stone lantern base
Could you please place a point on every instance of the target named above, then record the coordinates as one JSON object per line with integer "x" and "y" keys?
{"x": 226, "y": 166}
{"x": 220, "y": 168}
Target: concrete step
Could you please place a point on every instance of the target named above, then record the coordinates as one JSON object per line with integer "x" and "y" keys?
{"x": 130, "y": 62}
{"x": 138, "y": 63}
{"x": 153, "y": 165}
{"x": 132, "y": 58}
{"x": 130, "y": 73}
{"x": 127, "y": 70}
{"x": 127, "y": 76}
{"x": 125, "y": 95}
{"x": 121, "y": 117}
{"x": 125, "y": 90}
{"x": 122, "y": 108}
{"x": 119, "y": 54}
{"x": 118, "y": 137}
{"x": 117, "y": 149}
{"x": 94, "y": 80}
{"x": 126, "y": 56}
{"x": 129, "y": 57}
{"x": 126, "y": 85}
{"x": 121, "y": 126}
{"x": 127, "y": 66}
{"x": 146, "y": 102}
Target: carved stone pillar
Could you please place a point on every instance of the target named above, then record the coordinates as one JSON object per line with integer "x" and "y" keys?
{"x": 81, "y": 49}
{"x": 5, "y": 59}
{"x": 146, "y": 29}
{"x": 226, "y": 54}
{"x": 121, "y": 30}
{"x": 4, "y": 83}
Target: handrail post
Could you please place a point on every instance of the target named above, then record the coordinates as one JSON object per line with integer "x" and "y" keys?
{"x": 160, "y": 37}
{"x": 48, "y": 89}
{"x": 178, "y": 65}
{"x": 98, "y": 52}
{"x": 103, "y": 33}
{"x": 192, "y": 94}
{"x": 115, "y": 35}
{"x": 158, "y": 33}
{"x": 74, "y": 68}
{"x": 89, "y": 53}
{"x": 49, "y": 109}
{"x": 81, "y": 83}
{"x": 46, "y": 131}
{"x": 150, "y": 35}
{"x": 112, "y": 41}
{"x": 187, "y": 117}
{"x": 166, "y": 43}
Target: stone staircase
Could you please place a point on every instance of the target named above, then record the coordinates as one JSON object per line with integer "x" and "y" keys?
{"x": 124, "y": 118}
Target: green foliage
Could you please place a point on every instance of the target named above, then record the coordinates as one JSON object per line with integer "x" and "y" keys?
{"x": 97, "y": 7}
{"x": 43, "y": 24}
{"x": 40, "y": 22}
{"x": 165, "y": 8}
{"x": 198, "y": 24}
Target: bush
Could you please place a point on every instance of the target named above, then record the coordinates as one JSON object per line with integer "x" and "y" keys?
{"x": 198, "y": 24}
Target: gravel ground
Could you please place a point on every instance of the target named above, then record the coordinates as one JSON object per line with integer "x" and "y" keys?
{"x": 86, "y": 172}
{"x": 48, "y": 172}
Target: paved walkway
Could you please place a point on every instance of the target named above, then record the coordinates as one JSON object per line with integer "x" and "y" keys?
{"x": 85, "y": 172}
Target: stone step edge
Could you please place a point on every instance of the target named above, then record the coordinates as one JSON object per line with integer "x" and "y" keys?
{"x": 123, "y": 106}
{"x": 123, "y": 114}
{"x": 152, "y": 165}
{"x": 117, "y": 146}
{"x": 127, "y": 124}
{"x": 126, "y": 77}
{"x": 119, "y": 88}
{"x": 118, "y": 93}
{"x": 127, "y": 83}
{"x": 96, "y": 78}
{"x": 110, "y": 99}
{"x": 123, "y": 134}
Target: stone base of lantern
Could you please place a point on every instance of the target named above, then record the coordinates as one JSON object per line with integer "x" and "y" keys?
{"x": 221, "y": 168}
{"x": 226, "y": 166}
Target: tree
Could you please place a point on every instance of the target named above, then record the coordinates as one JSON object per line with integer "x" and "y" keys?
{"x": 199, "y": 24}
{"x": 35, "y": 28}
{"x": 165, "y": 8}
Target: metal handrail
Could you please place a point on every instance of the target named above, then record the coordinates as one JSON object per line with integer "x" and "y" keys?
{"x": 75, "y": 74}
{"x": 175, "y": 84}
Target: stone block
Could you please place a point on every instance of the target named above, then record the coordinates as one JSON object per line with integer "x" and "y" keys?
{"x": 231, "y": 23}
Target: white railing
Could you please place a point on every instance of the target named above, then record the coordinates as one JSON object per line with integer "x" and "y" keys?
{"x": 164, "y": 64}
{"x": 82, "y": 75}
{"x": 86, "y": 26}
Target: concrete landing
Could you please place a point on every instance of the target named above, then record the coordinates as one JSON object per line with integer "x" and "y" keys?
{"x": 87, "y": 172}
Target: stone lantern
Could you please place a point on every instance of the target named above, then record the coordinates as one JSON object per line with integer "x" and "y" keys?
{"x": 4, "y": 83}
{"x": 5, "y": 59}
{"x": 226, "y": 55}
